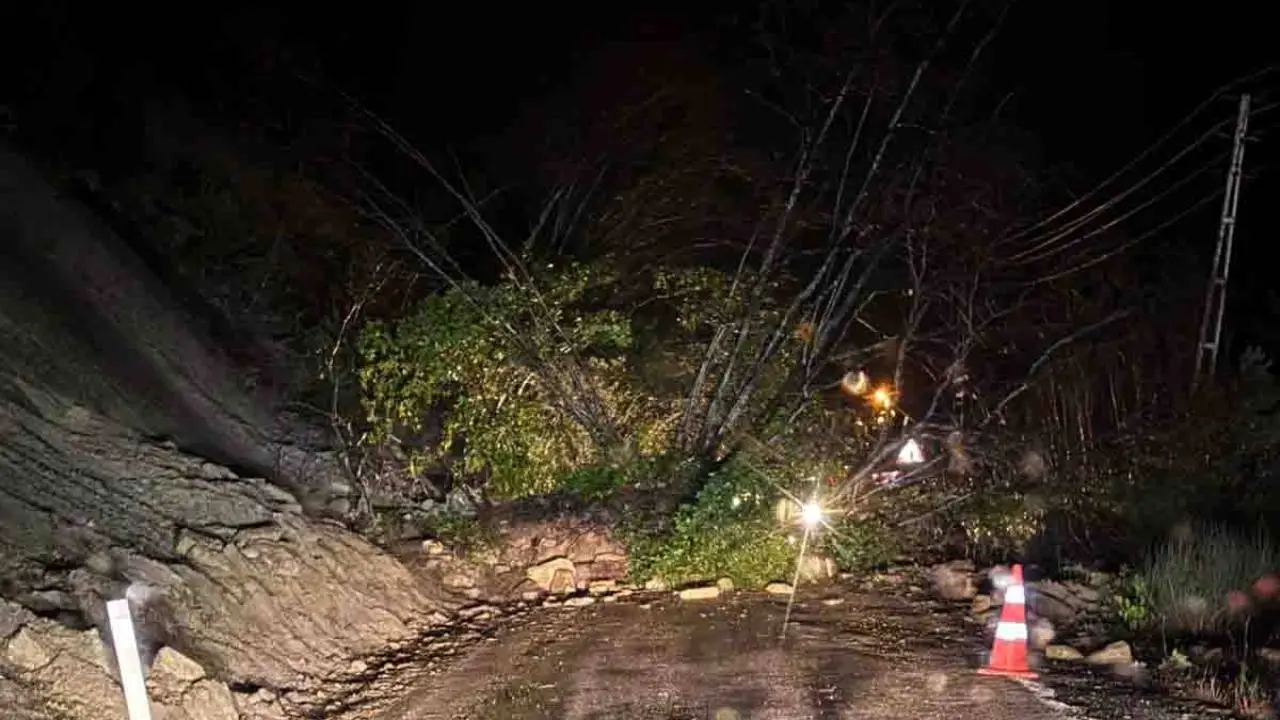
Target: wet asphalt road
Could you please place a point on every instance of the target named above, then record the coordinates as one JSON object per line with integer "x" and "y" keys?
{"x": 847, "y": 654}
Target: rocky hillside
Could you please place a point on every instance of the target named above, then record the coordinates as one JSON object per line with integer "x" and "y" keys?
{"x": 133, "y": 461}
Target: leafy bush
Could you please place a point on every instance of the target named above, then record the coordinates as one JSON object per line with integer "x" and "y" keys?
{"x": 1189, "y": 579}
{"x": 1000, "y": 525}
{"x": 728, "y": 530}
{"x": 463, "y": 534}
{"x": 519, "y": 376}
{"x": 1133, "y": 603}
{"x": 859, "y": 546}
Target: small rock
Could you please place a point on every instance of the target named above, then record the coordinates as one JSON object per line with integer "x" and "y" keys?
{"x": 1051, "y": 607}
{"x": 433, "y": 547}
{"x": 579, "y": 601}
{"x": 707, "y": 592}
{"x": 609, "y": 598}
{"x": 725, "y": 584}
{"x": 779, "y": 588}
{"x": 833, "y": 601}
{"x": 656, "y": 585}
{"x": 954, "y": 580}
{"x": 602, "y": 587}
{"x": 981, "y": 604}
{"x": 1116, "y": 653}
{"x": 173, "y": 664}
{"x": 1062, "y": 652}
{"x": 477, "y": 612}
{"x": 563, "y": 581}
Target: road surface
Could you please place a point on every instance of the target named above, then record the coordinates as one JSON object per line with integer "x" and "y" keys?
{"x": 847, "y": 654}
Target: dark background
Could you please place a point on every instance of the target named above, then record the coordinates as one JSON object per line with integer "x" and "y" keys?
{"x": 1096, "y": 82}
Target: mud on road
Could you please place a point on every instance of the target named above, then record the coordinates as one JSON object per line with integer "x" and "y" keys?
{"x": 847, "y": 654}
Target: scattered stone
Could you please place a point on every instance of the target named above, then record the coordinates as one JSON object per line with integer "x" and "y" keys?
{"x": 706, "y": 592}
{"x": 833, "y": 601}
{"x": 1062, "y": 652}
{"x": 173, "y": 665}
{"x": 779, "y": 588}
{"x": 1051, "y": 601}
{"x": 954, "y": 580}
{"x": 579, "y": 601}
{"x": 477, "y": 612}
{"x": 602, "y": 587}
{"x": 433, "y": 547}
{"x": 1116, "y": 653}
{"x": 564, "y": 581}
{"x": 656, "y": 585}
{"x": 981, "y": 604}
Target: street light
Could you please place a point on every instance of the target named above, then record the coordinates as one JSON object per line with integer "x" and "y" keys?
{"x": 882, "y": 397}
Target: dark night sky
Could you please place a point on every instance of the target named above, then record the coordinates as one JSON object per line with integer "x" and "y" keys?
{"x": 1096, "y": 81}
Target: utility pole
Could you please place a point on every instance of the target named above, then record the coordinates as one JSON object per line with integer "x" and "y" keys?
{"x": 1215, "y": 300}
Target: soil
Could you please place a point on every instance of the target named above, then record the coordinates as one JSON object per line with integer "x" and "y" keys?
{"x": 847, "y": 653}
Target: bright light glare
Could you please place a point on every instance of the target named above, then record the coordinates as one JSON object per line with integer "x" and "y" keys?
{"x": 811, "y": 514}
{"x": 882, "y": 397}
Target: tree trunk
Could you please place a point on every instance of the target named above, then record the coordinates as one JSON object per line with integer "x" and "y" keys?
{"x": 119, "y": 429}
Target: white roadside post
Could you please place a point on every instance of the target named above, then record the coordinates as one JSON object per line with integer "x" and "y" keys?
{"x": 127, "y": 660}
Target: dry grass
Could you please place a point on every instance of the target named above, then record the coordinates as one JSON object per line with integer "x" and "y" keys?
{"x": 1245, "y": 694}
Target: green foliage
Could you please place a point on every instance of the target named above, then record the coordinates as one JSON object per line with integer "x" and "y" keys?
{"x": 1186, "y": 581}
{"x": 501, "y": 362}
{"x": 1001, "y": 524}
{"x": 463, "y": 534}
{"x": 859, "y": 546}
{"x": 595, "y": 482}
{"x": 1133, "y": 602}
{"x": 728, "y": 530}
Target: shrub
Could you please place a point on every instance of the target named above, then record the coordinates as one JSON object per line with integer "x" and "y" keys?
{"x": 503, "y": 366}
{"x": 1190, "y": 579}
{"x": 859, "y": 546}
{"x": 728, "y": 530}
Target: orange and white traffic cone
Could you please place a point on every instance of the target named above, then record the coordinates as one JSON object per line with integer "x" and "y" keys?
{"x": 1009, "y": 651}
